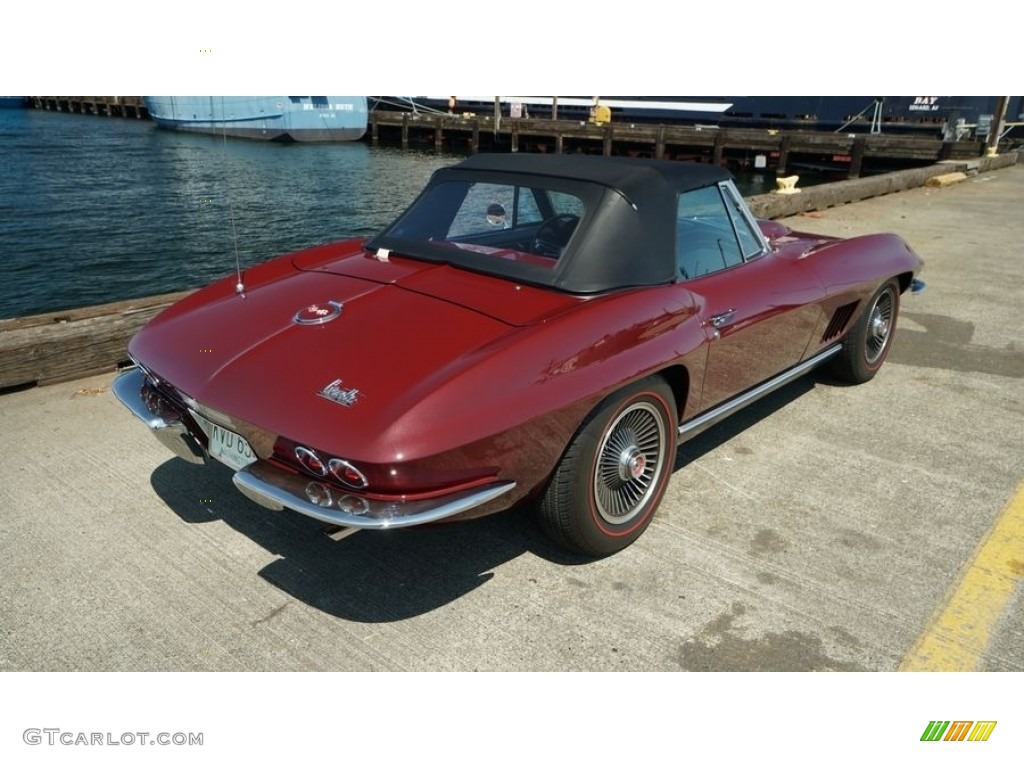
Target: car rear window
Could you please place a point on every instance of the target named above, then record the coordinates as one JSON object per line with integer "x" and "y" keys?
{"x": 512, "y": 222}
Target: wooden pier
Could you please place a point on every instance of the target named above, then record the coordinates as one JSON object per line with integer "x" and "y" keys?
{"x": 782, "y": 151}
{"x": 108, "y": 106}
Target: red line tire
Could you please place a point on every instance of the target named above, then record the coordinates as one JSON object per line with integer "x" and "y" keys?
{"x": 613, "y": 475}
{"x": 868, "y": 342}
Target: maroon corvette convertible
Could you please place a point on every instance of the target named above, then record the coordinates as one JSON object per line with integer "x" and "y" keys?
{"x": 532, "y": 328}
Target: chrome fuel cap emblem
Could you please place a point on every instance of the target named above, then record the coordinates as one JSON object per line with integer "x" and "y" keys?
{"x": 318, "y": 314}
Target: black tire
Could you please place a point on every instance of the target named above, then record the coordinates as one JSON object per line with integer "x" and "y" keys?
{"x": 613, "y": 475}
{"x": 868, "y": 342}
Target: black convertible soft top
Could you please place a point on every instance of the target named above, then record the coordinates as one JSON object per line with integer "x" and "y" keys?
{"x": 633, "y": 177}
{"x": 627, "y": 238}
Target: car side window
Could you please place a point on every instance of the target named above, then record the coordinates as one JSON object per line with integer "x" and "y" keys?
{"x": 705, "y": 238}
{"x": 527, "y": 211}
{"x": 564, "y": 204}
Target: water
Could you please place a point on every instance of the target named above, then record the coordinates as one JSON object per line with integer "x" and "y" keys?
{"x": 99, "y": 209}
{"x": 96, "y": 209}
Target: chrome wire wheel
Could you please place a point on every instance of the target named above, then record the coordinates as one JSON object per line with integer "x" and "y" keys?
{"x": 614, "y": 472}
{"x": 880, "y": 324}
{"x": 868, "y": 341}
{"x": 630, "y": 461}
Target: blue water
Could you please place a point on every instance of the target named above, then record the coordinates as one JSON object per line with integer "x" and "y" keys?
{"x": 97, "y": 209}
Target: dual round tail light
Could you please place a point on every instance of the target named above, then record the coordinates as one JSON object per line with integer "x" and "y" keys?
{"x": 347, "y": 474}
{"x": 311, "y": 461}
{"x": 342, "y": 471}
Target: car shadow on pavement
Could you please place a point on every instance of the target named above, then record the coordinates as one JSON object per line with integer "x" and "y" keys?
{"x": 374, "y": 576}
{"x": 383, "y": 576}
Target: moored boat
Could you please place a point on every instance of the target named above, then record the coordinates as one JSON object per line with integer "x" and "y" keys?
{"x": 265, "y": 118}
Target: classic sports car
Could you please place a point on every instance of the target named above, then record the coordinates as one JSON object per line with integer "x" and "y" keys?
{"x": 533, "y": 328}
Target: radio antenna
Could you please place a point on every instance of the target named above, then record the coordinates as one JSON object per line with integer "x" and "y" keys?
{"x": 240, "y": 285}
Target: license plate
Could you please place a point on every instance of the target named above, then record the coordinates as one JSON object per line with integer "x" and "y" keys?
{"x": 227, "y": 447}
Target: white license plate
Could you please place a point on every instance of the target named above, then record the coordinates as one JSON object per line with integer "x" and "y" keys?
{"x": 226, "y": 446}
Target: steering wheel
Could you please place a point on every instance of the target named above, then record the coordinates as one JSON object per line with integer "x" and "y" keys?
{"x": 553, "y": 234}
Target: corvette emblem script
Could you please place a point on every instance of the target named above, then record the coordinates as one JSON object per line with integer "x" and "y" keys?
{"x": 318, "y": 314}
{"x": 336, "y": 394}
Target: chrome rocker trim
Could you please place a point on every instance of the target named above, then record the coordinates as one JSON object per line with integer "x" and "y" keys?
{"x": 165, "y": 428}
{"x": 276, "y": 489}
{"x": 700, "y": 423}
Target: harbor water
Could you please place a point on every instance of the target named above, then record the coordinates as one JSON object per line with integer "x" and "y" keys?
{"x": 101, "y": 209}
{"x": 96, "y": 209}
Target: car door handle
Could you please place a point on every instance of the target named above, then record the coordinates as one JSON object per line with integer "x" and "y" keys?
{"x": 722, "y": 319}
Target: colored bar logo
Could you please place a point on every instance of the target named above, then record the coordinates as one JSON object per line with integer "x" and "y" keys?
{"x": 958, "y": 730}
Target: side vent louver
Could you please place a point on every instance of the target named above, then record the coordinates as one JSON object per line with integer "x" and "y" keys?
{"x": 840, "y": 319}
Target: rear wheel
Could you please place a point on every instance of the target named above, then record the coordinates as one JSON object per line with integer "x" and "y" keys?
{"x": 614, "y": 473}
{"x": 868, "y": 341}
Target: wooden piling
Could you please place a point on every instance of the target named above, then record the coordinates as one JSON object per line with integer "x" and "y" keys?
{"x": 659, "y": 143}
{"x": 718, "y": 148}
{"x": 783, "y": 155}
{"x": 857, "y": 157}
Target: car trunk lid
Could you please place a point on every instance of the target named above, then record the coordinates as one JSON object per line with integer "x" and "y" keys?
{"x": 502, "y": 299}
{"x": 254, "y": 359}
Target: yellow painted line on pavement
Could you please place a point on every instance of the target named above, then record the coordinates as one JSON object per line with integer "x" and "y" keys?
{"x": 959, "y": 631}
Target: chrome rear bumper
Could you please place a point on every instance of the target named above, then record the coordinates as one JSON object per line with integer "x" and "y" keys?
{"x": 276, "y": 489}
{"x": 165, "y": 424}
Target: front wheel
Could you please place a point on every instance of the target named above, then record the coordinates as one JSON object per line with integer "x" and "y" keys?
{"x": 613, "y": 475}
{"x": 867, "y": 343}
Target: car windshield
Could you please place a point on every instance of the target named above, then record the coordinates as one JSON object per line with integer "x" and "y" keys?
{"x": 518, "y": 229}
